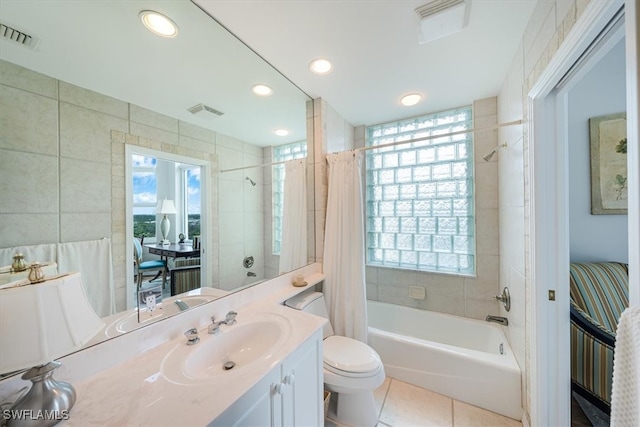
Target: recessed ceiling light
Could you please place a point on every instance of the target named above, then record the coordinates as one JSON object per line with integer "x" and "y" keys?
{"x": 411, "y": 99}
{"x": 262, "y": 90}
{"x": 158, "y": 24}
{"x": 320, "y": 66}
{"x": 281, "y": 132}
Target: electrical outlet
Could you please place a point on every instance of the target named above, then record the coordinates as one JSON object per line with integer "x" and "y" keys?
{"x": 151, "y": 302}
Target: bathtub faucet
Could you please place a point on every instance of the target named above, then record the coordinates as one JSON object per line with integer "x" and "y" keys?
{"x": 498, "y": 319}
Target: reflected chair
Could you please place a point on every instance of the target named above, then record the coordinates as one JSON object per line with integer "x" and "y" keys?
{"x": 157, "y": 265}
{"x": 185, "y": 275}
{"x": 599, "y": 294}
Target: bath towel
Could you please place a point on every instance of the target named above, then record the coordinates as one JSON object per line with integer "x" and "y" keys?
{"x": 625, "y": 393}
{"x": 92, "y": 258}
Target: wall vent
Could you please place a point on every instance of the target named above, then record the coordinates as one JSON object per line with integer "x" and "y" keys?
{"x": 201, "y": 108}
{"x": 12, "y": 34}
{"x": 439, "y": 18}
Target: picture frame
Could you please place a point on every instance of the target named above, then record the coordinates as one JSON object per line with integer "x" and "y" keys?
{"x": 608, "y": 149}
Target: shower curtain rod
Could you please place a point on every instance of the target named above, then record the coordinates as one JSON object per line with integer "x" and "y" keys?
{"x": 390, "y": 144}
{"x": 264, "y": 165}
{"x": 426, "y": 138}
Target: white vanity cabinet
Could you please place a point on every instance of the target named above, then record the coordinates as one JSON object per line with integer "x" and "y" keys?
{"x": 291, "y": 394}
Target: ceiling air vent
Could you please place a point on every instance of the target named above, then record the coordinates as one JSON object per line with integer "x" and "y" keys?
{"x": 200, "y": 109}
{"x": 17, "y": 36}
{"x": 439, "y": 18}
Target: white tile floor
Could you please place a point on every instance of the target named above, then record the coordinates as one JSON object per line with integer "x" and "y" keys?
{"x": 405, "y": 405}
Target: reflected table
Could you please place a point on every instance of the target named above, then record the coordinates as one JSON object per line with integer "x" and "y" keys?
{"x": 174, "y": 250}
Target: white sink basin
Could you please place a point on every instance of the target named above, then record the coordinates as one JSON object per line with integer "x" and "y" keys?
{"x": 253, "y": 341}
{"x": 129, "y": 321}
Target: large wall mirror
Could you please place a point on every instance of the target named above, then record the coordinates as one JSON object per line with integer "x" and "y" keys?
{"x": 90, "y": 100}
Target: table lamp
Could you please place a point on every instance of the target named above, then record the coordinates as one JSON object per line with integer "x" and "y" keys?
{"x": 40, "y": 323}
{"x": 165, "y": 207}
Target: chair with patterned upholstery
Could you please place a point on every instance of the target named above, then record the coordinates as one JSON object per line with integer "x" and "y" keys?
{"x": 599, "y": 294}
{"x": 157, "y": 265}
{"x": 185, "y": 275}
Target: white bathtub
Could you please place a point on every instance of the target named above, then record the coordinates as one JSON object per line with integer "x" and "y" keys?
{"x": 455, "y": 356}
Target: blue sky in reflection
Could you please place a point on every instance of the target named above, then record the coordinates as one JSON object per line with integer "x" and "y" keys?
{"x": 145, "y": 186}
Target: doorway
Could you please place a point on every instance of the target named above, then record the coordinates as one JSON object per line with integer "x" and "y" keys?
{"x": 549, "y": 225}
{"x": 152, "y": 176}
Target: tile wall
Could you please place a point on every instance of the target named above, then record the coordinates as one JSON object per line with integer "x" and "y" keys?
{"x": 62, "y": 165}
{"x": 241, "y": 225}
{"x": 470, "y": 297}
{"x": 548, "y": 27}
{"x": 446, "y": 293}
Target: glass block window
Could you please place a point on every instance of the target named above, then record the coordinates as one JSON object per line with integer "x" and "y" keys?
{"x": 282, "y": 153}
{"x": 420, "y": 206}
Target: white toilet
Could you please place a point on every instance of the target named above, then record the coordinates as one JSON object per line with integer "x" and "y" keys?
{"x": 352, "y": 369}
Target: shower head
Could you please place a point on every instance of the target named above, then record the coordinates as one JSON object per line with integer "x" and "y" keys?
{"x": 490, "y": 155}
{"x": 253, "y": 183}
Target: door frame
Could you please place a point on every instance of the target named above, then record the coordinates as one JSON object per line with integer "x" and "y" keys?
{"x": 550, "y": 376}
{"x": 206, "y": 260}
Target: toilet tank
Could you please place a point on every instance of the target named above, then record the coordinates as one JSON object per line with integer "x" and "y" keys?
{"x": 312, "y": 302}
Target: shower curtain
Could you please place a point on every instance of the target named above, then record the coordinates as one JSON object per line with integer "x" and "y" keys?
{"x": 344, "y": 284}
{"x": 293, "y": 250}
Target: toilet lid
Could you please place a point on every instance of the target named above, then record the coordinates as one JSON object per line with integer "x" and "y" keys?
{"x": 349, "y": 356}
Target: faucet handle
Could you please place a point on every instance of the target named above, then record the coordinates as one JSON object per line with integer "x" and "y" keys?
{"x": 231, "y": 318}
{"x": 192, "y": 336}
{"x": 504, "y": 298}
{"x": 214, "y": 327}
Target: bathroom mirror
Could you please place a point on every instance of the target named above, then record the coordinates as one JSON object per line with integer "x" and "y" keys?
{"x": 110, "y": 84}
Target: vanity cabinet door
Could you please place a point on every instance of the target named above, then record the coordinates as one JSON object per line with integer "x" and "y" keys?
{"x": 260, "y": 406}
{"x": 302, "y": 397}
{"x": 288, "y": 396}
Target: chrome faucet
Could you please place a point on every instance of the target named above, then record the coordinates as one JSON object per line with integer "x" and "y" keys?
{"x": 214, "y": 327}
{"x": 498, "y": 319}
{"x": 192, "y": 336}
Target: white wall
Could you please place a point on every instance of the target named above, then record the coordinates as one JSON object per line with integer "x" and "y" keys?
{"x": 601, "y": 91}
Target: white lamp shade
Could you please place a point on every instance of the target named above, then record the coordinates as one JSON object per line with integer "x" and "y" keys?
{"x": 166, "y": 206}
{"x": 42, "y": 322}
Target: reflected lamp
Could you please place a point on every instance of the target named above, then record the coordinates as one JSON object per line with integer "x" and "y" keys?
{"x": 165, "y": 207}
{"x": 40, "y": 323}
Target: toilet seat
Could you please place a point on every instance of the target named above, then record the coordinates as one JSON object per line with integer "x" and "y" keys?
{"x": 350, "y": 358}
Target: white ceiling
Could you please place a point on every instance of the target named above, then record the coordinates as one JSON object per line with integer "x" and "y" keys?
{"x": 101, "y": 45}
{"x": 374, "y": 47}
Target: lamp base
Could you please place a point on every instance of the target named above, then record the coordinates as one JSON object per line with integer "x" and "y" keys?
{"x": 165, "y": 242}
{"x": 46, "y": 403}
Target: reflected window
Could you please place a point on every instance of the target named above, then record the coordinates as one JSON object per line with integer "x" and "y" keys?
{"x": 145, "y": 196}
{"x": 282, "y": 153}
{"x": 191, "y": 200}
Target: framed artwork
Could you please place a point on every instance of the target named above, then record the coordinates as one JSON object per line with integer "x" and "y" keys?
{"x": 608, "y": 139}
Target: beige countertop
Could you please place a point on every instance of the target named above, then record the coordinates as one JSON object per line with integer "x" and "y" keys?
{"x": 137, "y": 393}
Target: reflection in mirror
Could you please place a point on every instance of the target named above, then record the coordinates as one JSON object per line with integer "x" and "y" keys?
{"x": 172, "y": 283}
{"x": 73, "y": 108}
